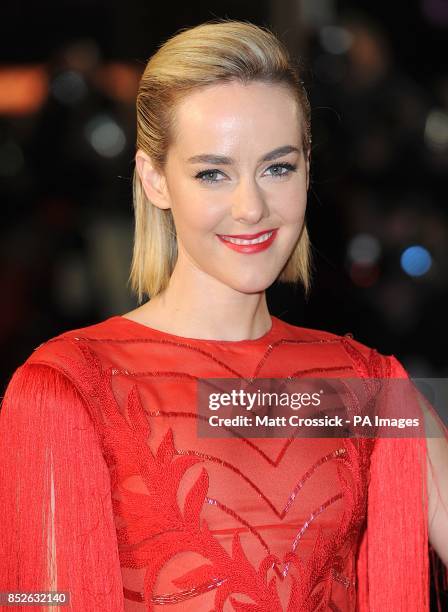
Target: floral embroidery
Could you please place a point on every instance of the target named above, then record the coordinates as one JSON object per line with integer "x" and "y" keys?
{"x": 152, "y": 528}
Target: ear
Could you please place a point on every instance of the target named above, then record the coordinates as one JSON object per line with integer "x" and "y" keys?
{"x": 153, "y": 181}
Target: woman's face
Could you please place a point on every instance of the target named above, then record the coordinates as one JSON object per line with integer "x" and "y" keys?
{"x": 236, "y": 169}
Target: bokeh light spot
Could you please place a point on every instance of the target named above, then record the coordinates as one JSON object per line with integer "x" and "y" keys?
{"x": 416, "y": 260}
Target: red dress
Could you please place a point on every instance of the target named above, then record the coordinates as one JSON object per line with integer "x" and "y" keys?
{"x": 107, "y": 491}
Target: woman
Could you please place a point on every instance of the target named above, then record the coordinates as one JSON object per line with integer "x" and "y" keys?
{"x": 108, "y": 491}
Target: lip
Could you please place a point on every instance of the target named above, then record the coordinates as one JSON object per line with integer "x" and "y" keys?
{"x": 248, "y": 236}
{"x": 249, "y": 248}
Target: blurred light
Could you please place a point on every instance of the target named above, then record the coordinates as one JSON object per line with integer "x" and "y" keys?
{"x": 69, "y": 87}
{"x": 315, "y": 13}
{"x": 23, "y": 90}
{"x": 364, "y": 249}
{"x": 119, "y": 81}
{"x": 335, "y": 40}
{"x": 364, "y": 275}
{"x": 415, "y": 260}
{"x": 82, "y": 55}
{"x": 105, "y": 136}
{"x": 436, "y": 130}
{"x": 11, "y": 158}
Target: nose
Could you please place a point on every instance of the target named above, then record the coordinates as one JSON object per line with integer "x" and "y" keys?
{"x": 249, "y": 205}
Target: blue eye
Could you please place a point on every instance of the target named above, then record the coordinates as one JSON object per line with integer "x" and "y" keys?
{"x": 202, "y": 176}
{"x": 285, "y": 166}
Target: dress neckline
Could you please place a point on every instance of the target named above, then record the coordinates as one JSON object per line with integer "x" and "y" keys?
{"x": 142, "y": 327}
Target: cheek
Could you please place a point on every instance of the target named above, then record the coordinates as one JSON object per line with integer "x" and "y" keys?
{"x": 292, "y": 205}
{"x": 196, "y": 213}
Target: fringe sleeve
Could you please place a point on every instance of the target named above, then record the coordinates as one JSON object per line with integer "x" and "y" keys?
{"x": 58, "y": 531}
{"x": 393, "y": 565}
{"x": 436, "y": 472}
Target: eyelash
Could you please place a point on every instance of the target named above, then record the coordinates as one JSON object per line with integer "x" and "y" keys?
{"x": 286, "y": 165}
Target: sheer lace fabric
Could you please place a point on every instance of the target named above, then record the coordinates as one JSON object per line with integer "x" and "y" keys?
{"x": 108, "y": 492}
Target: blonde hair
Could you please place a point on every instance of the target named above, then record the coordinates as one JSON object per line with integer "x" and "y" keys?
{"x": 218, "y": 51}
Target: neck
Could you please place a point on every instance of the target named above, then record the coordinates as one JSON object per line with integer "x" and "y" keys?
{"x": 199, "y": 306}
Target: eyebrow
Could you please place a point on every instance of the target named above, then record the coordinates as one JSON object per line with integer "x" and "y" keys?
{"x": 210, "y": 158}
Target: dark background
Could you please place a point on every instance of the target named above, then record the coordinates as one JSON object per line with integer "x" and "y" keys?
{"x": 379, "y": 91}
{"x": 378, "y": 85}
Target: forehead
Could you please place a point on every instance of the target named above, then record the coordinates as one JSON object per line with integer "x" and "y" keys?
{"x": 227, "y": 115}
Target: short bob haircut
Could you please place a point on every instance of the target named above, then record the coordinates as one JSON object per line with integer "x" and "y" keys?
{"x": 214, "y": 52}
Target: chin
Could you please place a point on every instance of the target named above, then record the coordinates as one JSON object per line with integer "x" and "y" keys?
{"x": 253, "y": 285}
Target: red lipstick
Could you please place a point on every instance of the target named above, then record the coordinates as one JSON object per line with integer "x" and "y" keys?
{"x": 245, "y": 241}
